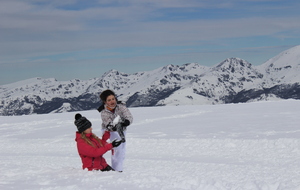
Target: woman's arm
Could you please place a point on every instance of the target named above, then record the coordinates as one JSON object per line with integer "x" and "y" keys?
{"x": 125, "y": 114}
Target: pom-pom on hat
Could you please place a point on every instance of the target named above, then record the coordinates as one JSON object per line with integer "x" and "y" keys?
{"x": 82, "y": 123}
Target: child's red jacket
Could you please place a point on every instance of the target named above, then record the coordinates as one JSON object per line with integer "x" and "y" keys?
{"x": 91, "y": 157}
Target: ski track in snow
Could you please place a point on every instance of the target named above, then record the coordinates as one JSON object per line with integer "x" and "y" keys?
{"x": 251, "y": 146}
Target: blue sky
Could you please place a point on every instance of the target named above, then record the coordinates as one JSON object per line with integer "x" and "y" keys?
{"x": 83, "y": 39}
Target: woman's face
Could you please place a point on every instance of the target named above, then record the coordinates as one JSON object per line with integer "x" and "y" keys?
{"x": 111, "y": 101}
{"x": 87, "y": 131}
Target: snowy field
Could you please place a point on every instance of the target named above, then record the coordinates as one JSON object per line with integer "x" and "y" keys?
{"x": 206, "y": 147}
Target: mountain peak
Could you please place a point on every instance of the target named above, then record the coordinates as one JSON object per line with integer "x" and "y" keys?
{"x": 283, "y": 68}
{"x": 288, "y": 58}
{"x": 232, "y": 65}
{"x": 233, "y": 62}
{"x": 113, "y": 73}
{"x": 30, "y": 81}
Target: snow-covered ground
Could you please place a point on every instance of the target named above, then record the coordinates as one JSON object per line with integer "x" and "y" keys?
{"x": 206, "y": 147}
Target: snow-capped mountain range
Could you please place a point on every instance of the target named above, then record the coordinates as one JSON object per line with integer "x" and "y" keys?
{"x": 232, "y": 81}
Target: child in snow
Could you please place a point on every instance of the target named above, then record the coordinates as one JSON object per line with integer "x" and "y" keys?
{"x": 90, "y": 147}
{"x": 110, "y": 110}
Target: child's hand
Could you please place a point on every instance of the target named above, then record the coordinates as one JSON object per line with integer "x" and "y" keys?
{"x": 116, "y": 143}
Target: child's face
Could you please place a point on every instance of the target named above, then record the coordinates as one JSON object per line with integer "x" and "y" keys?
{"x": 111, "y": 101}
{"x": 87, "y": 131}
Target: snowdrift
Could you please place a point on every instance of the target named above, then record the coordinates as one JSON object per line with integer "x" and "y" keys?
{"x": 210, "y": 147}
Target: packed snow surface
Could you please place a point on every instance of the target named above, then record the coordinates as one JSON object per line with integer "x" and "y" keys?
{"x": 206, "y": 147}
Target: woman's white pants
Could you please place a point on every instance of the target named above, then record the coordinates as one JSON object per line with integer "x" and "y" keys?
{"x": 118, "y": 153}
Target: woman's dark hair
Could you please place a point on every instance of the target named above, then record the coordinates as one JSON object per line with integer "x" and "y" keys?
{"x": 103, "y": 97}
{"x": 105, "y": 94}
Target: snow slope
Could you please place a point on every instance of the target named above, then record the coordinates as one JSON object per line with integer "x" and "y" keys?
{"x": 253, "y": 146}
{"x": 283, "y": 68}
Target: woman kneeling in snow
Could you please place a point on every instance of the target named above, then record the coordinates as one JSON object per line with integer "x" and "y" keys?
{"x": 90, "y": 147}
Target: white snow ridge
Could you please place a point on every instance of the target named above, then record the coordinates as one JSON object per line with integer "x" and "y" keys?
{"x": 253, "y": 146}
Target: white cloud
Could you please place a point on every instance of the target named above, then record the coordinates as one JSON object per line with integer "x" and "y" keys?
{"x": 34, "y": 28}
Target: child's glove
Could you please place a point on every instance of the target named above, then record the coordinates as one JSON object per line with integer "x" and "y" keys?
{"x": 116, "y": 143}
